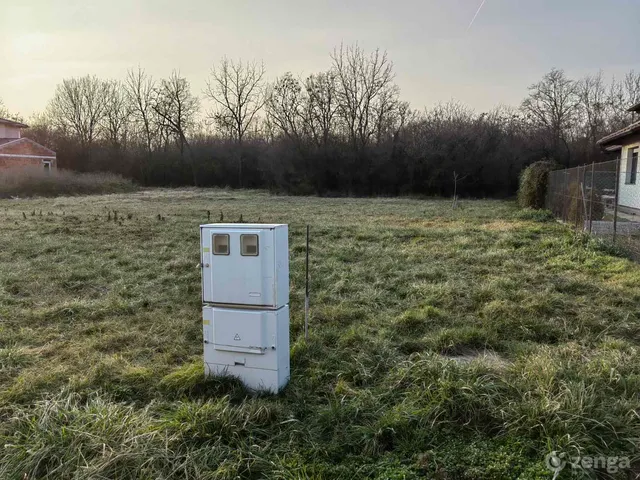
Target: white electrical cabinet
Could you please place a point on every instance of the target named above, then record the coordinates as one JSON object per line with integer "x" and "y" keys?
{"x": 245, "y": 264}
{"x": 252, "y": 345}
{"x": 245, "y": 294}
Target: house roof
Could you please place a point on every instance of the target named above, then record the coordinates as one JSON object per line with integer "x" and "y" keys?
{"x": 5, "y": 142}
{"x": 633, "y": 128}
{"x": 12, "y": 123}
{"x": 634, "y": 108}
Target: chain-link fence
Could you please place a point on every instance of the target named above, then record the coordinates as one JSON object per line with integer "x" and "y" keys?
{"x": 602, "y": 199}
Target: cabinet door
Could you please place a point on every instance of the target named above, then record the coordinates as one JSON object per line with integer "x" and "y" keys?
{"x": 239, "y": 330}
{"x": 238, "y": 267}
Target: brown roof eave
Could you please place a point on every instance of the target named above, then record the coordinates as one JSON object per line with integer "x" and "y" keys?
{"x": 634, "y": 108}
{"x": 631, "y": 129}
{"x": 612, "y": 148}
{"x": 13, "y": 123}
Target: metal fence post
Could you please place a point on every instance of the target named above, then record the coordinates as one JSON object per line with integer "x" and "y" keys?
{"x": 565, "y": 195}
{"x": 593, "y": 187}
{"x": 615, "y": 204}
{"x": 306, "y": 292}
{"x": 578, "y": 208}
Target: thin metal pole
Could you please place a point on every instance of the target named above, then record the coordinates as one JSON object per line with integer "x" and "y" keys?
{"x": 583, "y": 197}
{"x": 566, "y": 197}
{"x": 306, "y": 293}
{"x": 593, "y": 187}
{"x": 578, "y": 200}
{"x": 615, "y": 205}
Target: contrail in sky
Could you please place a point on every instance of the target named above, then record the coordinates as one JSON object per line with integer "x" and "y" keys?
{"x": 474, "y": 17}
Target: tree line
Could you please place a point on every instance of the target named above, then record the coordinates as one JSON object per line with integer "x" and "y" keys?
{"x": 342, "y": 131}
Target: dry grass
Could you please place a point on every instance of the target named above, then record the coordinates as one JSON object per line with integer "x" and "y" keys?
{"x": 32, "y": 182}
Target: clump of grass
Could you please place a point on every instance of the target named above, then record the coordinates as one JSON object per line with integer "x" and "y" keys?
{"x": 418, "y": 320}
{"x": 189, "y": 381}
{"x": 535, "y": 215}
{"x": 463, "y": 340}
{"x": 32, "y": 182}
{"x": 12, "y": 357}
{"x": 12, "y": 360}
{"x": 62, "y": 435}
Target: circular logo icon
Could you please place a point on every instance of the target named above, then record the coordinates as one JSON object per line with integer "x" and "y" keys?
{"x": 554, "y": 462}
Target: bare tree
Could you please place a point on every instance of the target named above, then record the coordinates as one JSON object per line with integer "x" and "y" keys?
{"x": 41, "y": 129}
{"x": 322, "y": 106}
{"x": 592, "y": 93}
{"x": 5, "y": 113}
{"x": 285, "y": 103}
{"x": 553, "y": 104}
{"x": 237, "y": 90}
{"x": 79, "y": 105}
{"x": 387, "y": 111}
{"x": 621, "y": 95}
{"x": 632, "y": 87}
{"x": 176, "y": 109}
{"x": 365, "y": 90}
{"x": 141, "y": 90}
{"x": 117, "y": 114}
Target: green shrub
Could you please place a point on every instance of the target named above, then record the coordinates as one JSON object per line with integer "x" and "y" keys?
{"x": 533, "y": 184}
{"x": 32, "y": 182}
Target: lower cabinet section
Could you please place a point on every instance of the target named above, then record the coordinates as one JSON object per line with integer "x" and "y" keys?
{"x": 252, "y": 345}
{"x": 253, "y": 378}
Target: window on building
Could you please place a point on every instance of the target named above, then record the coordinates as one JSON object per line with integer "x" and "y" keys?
{"x": 632, "y": 166}
{"x": 47, "y": 166}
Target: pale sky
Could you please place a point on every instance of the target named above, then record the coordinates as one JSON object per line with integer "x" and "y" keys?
{"x": 511, "y": 44}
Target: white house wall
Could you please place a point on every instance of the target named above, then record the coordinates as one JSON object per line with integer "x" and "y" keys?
{"x": 628, "y": 195}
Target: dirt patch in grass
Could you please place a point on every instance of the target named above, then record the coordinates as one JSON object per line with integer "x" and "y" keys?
{"x": 491, "y": 358}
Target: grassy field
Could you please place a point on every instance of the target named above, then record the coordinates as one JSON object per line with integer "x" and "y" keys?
{"x": 451, "y": 344}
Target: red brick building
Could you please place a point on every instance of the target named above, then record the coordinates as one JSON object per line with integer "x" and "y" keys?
{"x": 18, "y": 151}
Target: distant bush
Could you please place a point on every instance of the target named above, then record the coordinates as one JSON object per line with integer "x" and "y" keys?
{"x": 29, "y": 182}
{"x": 533, "y": 184}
